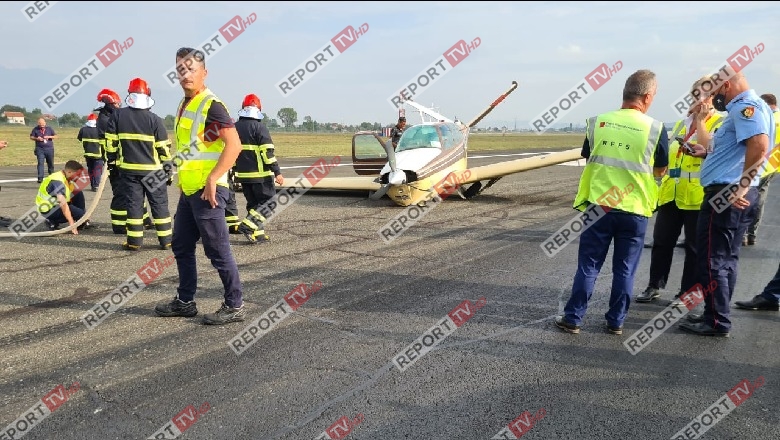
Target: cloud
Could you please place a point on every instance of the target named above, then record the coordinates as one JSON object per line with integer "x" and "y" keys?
{"x": 571, "y": 49}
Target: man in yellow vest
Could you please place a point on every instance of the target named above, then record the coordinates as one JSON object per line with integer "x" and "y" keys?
{"x": 60, "y": 201}
{"x": 679, "y": 200}
{"x": 207, "y": 145}
{"x": 625, "y": 150}
{"x": 767, "y": 175}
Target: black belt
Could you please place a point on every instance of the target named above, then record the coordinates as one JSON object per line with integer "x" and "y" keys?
{"x": 714, "y": 188}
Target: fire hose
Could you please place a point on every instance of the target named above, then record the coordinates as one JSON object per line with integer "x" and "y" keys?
{"x": 76, "y": 224}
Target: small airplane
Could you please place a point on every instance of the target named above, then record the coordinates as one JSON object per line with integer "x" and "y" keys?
{"x": 428, "y": 154}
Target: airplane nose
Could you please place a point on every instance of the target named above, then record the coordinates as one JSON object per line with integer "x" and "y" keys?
{"x": 397, "y": 177}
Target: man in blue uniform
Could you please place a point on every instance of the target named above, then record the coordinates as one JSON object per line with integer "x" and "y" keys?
{"x": 626, "y": 151}
{"x": 734, "y": 160}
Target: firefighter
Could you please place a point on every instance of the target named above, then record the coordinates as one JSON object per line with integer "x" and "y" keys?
{"x": 143, "y": 149}
{"x": 110, "y": 101}
{"x": 256, "y": 167}
{"x": 93, "y": 150}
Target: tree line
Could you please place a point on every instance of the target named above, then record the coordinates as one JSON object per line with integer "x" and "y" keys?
{"x": 286, "y": 119}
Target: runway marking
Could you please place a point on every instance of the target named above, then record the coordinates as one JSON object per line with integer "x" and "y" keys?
{"x": 576, "y": 163}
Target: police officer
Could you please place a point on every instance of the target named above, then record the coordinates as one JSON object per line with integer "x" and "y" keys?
{"x": 203, "y": 162}
{"x": 766, "y": 176}
{"x": 109, "y": 102}
{"x": 625, "y": 151}
{"x": 143, "y": 149}
{"x": 397, "y": 131}
{"x": 679, "y": 199}
{"x": 730, "y": 174}
{"x": 256, "y": 167}
{"x": 93, "y": 150}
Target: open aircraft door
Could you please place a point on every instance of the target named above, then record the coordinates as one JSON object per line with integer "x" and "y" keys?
{"x": 368, "y": 153}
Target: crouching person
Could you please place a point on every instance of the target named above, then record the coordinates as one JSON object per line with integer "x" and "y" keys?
{"x": 60, "y": 200}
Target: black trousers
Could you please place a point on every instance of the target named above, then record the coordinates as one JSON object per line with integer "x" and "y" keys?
{"x": 669, "y": 222}
{"x": 135, "y": 194}
{"x": 257, "y": 194}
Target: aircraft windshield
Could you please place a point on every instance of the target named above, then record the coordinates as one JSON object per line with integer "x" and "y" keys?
{"x": 419, "y": 136}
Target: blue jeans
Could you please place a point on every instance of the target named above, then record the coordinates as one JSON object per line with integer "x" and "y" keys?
{"x": 46, "y": 154}
{"x": 628, "y": 232}
{"x": 76, "y": 205}
{"x": 194, "y": 220}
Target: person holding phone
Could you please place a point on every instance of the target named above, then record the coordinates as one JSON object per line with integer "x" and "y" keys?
{"x": 679, "y": 199}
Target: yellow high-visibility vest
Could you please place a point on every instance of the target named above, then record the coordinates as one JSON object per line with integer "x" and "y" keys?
{"x": 194, "y": 157}
{"x": 686, "y": 191}
{"x": 44, "y": 200}
{"x": 620, "y": 166}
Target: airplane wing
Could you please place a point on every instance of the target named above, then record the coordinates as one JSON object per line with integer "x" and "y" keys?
{"x": 341, "y": 183}
{"x": 497, "y": 170}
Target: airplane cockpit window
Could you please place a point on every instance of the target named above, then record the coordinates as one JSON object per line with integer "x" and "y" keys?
{"x": 419, "y": 136}
{"x": 451, "y": 136}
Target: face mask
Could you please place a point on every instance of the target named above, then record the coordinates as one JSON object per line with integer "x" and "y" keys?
{"x": 719, "y": 102}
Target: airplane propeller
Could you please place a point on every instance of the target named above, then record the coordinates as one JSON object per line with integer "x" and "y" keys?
{"x": 378, "y": 194}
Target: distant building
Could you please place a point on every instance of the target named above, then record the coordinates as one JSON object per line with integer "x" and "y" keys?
{"x": 14, "y": 117}
{"x": 50, "y": 117}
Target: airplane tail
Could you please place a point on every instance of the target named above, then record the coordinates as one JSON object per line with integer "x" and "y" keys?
{"x": 495, "y": 103}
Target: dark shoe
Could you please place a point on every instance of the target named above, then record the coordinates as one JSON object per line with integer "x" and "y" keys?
{"x": 40, "y": 180}
{"x": 751, "y": 241}
{"x": 51, "y": 226}
{"x": 176, "y": 307}
{"x": 703, "y": 329}
{"x": 166, "y": 246}
{"x": 565, "y": 326}
{"x": 225, "y": 315}
{"x": 614, "y": 330}
{"x": 677, "y": 301}
{"x": 86, "y": 225}
{"x": 94, "y": 190}
{"x": 694, "y": 318}
{"x": 758, "y": 303}
{"x": 148, "y": 226}
{"x": 248, "y": 232}
{"x": 130, "y": 247}
{"x": 648, "y": 295}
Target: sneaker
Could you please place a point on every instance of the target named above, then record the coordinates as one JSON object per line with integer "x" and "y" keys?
{"x": 130, "y": 247}
{"x": 225, "y": 315}
{"x": 565, "y": 326}
{"x": 614, "y": 330}
{"x": 648, "y": 295}
{"x": 176, "y": 307}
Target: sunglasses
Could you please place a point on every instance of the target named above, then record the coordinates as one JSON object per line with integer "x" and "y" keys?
{"x": 185, "y": 52}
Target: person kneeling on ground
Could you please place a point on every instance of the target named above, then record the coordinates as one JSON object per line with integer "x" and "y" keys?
{"x": 59, "y": 200}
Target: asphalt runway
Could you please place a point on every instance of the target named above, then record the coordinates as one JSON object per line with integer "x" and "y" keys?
{"x": 345, "y": 361}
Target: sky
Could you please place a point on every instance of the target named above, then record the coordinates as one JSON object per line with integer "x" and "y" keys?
{"x": 549, "y": 48}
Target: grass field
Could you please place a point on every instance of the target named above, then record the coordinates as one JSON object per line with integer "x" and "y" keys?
{"x": 66, "y": 147}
